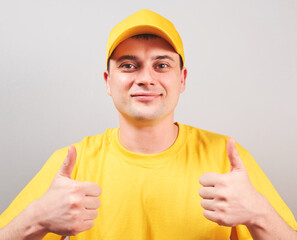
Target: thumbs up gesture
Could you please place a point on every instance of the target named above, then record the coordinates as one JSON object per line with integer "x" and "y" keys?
{"x": 68, "y": 207}
{"x": 230, "y": 199}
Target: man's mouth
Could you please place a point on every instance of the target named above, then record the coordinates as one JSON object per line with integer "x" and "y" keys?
{"x": 145, "y": 96}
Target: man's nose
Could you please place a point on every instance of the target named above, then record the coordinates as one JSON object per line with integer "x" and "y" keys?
{"x": 145, "y": 77}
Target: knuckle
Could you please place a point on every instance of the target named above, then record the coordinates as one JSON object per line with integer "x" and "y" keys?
{"x": 75, "y": 187}
{"x": 221, "y": 207}
{"x": 75, "y": 217}
{"x": 75, "y": 202}
{"x": 221, "y": 220}
{"x": 221, "y": 195}
{"x": 71, "y": 229}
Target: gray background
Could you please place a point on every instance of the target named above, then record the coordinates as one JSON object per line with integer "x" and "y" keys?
{"x": 242, "y": 62}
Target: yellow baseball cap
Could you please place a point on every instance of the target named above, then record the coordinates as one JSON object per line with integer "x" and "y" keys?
{"x": 145, "y": 22}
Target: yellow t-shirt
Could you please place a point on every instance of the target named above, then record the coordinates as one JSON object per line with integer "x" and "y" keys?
{"x": 153, "y": 196}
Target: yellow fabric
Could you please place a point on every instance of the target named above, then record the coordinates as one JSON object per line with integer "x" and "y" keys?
{"x": 145, "y": 22}
{"x": 150, "y": 196}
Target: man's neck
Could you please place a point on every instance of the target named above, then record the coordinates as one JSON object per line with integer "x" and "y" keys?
{"x": 147, "y": 138}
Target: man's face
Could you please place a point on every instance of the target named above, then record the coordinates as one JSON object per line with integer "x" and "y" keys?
{"x": 145, "y": 79}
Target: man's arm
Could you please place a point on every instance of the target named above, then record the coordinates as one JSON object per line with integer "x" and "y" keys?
{"x": 24, "y": 226}
{"x": 67, "y": 208}
{"x": 270, "y": 225}
{"x": 231, "y": 199}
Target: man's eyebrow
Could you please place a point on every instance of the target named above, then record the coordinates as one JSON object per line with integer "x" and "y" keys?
{"x": 126, "y": 57}
{"x": 133, "y": 57}
{"x": 163, "y": 57}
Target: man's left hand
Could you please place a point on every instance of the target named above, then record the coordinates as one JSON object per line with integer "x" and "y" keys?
{"x": 230, "y": 199}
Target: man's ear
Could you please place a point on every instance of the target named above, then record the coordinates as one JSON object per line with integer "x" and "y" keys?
{"x": 184, "y": 74}
{"x": 107, "y": 79}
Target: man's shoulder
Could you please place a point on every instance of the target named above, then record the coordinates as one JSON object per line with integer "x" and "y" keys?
{"x": 211, "y": 141}
{"x": 203, "y": 134}
{"x": 96, "y": 141}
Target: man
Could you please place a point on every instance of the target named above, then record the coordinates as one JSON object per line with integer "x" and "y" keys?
{"x": 150, "y": 170}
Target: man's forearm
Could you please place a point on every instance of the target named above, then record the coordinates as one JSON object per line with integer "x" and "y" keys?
{"x": 23, "y": 227}
{"x": 270, "y": 225}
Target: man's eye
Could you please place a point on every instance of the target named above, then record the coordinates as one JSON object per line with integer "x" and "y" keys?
{"x": 162, "y": 65}
{"x": 127, "y": 66}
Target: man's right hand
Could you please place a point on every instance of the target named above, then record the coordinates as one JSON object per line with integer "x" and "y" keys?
{"x": 68, "y": 207}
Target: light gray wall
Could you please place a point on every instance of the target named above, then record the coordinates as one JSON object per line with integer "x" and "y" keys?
{"x": 242, "y": 61}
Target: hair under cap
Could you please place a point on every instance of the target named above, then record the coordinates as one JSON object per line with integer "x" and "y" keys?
{"x": 145, "y": 22}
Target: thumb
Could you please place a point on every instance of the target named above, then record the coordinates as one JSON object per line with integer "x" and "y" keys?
{"x": 69, "y": 162}
{"x": 233, "y": 155}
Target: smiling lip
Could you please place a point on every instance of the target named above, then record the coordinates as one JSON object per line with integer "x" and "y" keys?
{"x": 145, "y": 96}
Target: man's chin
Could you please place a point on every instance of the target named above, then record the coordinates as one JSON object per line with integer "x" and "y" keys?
{"x": 144, "y": 118}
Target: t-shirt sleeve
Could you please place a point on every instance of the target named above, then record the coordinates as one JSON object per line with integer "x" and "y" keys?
{"x": 265, "y": 187}
{"x": 35, "y": 189}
